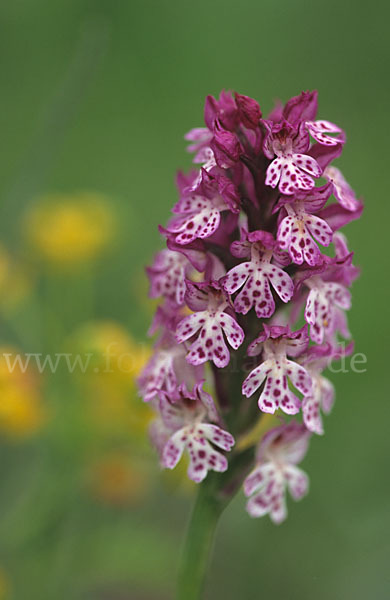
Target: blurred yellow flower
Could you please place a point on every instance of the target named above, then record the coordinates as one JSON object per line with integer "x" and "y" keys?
{"x": 67, "y": 229}
{"x": 15, "y": 280}
{"x": 117, "y": 479}
{"x": 21, "y": 409}
{"x": 115, "y": 354}
{"x": 116, "y": 361}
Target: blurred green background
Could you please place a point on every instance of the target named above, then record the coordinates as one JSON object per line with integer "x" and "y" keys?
{"x": 95, "y": 97}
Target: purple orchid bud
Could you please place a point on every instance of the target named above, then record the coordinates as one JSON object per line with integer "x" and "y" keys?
{"x": 248, "y": 110}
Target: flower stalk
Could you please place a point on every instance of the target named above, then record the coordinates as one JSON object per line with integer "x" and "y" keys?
{"x": 213, "y": 496}
{"x": 243, "y": 266}
{"x": 195, "y": 557}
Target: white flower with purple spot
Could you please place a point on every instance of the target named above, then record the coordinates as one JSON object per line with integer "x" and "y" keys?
{"x": 291, "y": 170}
{"x": 321, "y": 397}
{"x": 278, "y": 454}
{"x": 210, "y": 323}
{"x": 276, "y": 370}
{"x": 324, "y": 299}
{"x": 320, "y": 131}
{"x": 167, "y": 275}
{"x": 206, "y": 158}
{"x": 199, "y": 217}
{"x": 342, "y": 191}
{"x": 256, "y": 277}
{"x": 200, "y": 137}
{"x": 166, "y": 369}
{"x": 297, "y": 230}
{"x": 187, "y": 419}
{"x": 158, "y": 374}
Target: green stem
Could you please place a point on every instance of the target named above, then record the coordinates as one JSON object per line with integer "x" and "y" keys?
{"x": 214, "y": 495}
{"x": 199, "y": 541}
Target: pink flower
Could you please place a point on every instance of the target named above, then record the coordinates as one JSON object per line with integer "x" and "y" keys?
{"x": 166, "y": 370}
{"x": 323, "y": 300}
{"x": 297, "y": 230}
{"x": 167, "y": 275}
{"x": 321, "y": 396}
{"x": 277, "y": 456}
{"x": 320, "y": 131}
{"x": 292, "y": 169}
{"x": 200, "y": 138}
{"x": 199, "y": 218}
{"x": 256, "y": 276}
{"x": 209, "y": 323}
{"x": 275, "y": 344}
{"x": 329, "y": 295}
{"x": 342, "y": 191}
{"x": 187, "y": 421}
{"x": 199, "y": 213}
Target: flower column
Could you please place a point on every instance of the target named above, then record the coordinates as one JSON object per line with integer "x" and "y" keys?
{"x": 244, "y": 264}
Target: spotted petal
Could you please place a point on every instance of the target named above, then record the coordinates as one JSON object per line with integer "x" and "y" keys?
{"x": 284, "y": 232}
{"x": 297, "y": 481}
{"x": 328, "y": 394}
{"x": 339, "y": 294}
{"x": 258, "y": 478}
{"x": 191, "y": 204}
{"x": 167, "y": 276}
{"x": 293, "y": 178}
{"x": 318, "y": 315}
{"x": 276, "y": 394}
{"x": 257, "y": 293}
{"x": 319, "y": 130}
{"x": 234, "y": 333}
{"x": 342, "y": 191}
{"x": 219, "y": 437}
{"x": 308, "y": 164}
{"x": 200, "y": 225}
{"x": 310, "y": 310}
{"x": 281, "y": 282}
{"x": 204, "y": 458}
{"x": 273, "y": 172}
{"x": 256, "y": 378}
{"x": 158, "y": 374}
{"x": 319, "y": 229}
{"x": 269, "y": 500}
{"x": 210, "y": 345}
{"x": 189, "y": 326}
{"x": 173, "y": 449}
{"x": 299, "y": 377}
{"x": 301, "y": 246}
{"x": 311, "y": 412}
{"x": 237, "y": 276}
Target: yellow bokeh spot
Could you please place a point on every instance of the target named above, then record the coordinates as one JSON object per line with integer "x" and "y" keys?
{"x": 115, "y": 354}
{"x": 66, "y": 229}
{"x": 22, "y": 412}
{"x": 15, "y": 282}
{"x": 110, "y": 381}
